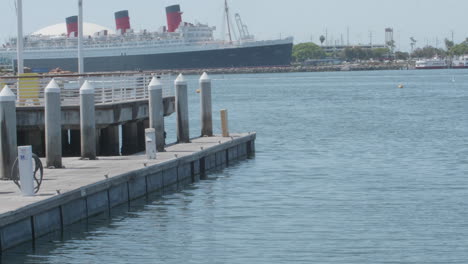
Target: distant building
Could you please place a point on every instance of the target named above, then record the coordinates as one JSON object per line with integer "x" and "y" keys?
{"x": 318, "y": 62}
{"x": 339, "y": 48}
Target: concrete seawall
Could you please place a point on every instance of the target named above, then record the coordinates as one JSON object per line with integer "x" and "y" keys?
{"x": 87, "y": 188}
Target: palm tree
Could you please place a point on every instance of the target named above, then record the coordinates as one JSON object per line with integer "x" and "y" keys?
{"x": 413, "y": 42}
{"x": 322, "y": 39}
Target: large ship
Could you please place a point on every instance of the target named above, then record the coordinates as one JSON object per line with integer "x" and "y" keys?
{"x": 180, "y": 45}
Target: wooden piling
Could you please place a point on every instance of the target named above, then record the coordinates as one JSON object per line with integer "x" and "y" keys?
{"x": 224, "y": 122}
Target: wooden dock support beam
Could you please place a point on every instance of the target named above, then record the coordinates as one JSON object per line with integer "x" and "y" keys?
{"x": 224, "y": 122}
{"x": 129, "y": 138}
{"x": 109, "y": 141}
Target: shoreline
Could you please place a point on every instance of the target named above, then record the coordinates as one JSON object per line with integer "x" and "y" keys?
{"x": 288, "y": 69}
{"x": 254, "y": 70}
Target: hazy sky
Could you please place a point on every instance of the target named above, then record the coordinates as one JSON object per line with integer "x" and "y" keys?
{"x": 305, "y": 20}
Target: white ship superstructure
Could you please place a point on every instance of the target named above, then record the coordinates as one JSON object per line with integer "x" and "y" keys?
{"x": 460, "y": 62}
{"x": 434, "y": 63}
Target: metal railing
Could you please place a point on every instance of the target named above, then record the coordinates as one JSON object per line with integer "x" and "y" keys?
{"x": 109, "y": 88}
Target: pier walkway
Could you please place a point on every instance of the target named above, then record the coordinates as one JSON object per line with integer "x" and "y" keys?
{"x": 85, "y": 188}
{"x": 104, "y": 175}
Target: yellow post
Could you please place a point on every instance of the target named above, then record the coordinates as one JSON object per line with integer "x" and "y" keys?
{"x": 28, "y": 88}
{"x": 224, "y": 123}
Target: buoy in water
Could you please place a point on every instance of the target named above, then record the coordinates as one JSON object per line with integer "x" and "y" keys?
{"x": 400, "y": 86}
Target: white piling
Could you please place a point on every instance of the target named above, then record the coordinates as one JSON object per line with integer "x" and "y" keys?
{"x": 53, "y": 125}
{"x": 205, "y": 104}
{"x": 150, "y": 143}
{"x": 183, "y": 135}
{"x": 87, "y": 121}
{"x": 8, "y": 140}
{"x": 156, "y": 112}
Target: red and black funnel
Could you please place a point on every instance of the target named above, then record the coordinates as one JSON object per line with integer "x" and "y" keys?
{"x": 174, "y": 17}
{"x": 72, "y": 26}
{"x": 122, "y": 21}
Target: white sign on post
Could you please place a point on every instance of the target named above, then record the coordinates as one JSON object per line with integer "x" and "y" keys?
{"x": 25, "y": 165}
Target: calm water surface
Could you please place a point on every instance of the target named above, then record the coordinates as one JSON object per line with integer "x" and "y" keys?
{"x": 348, "y": 169}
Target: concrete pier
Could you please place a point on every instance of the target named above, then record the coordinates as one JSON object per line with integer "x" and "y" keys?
{"x": 87, "y": 188}
{"x": 8, "y": 137}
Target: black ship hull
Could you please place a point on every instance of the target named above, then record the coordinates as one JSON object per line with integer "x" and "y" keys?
{"x": 256, "y": 56}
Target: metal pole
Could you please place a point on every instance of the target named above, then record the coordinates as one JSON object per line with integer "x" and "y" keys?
{"x": 205, "y": 104}
{"x": 183, "y": 135}
{"x": 53, "y": 125}
{"x": 7, "y": 132}
{"x": 156, "y": 111}
{"x": 19, "y": 41}
{"x": 80, "y": 38}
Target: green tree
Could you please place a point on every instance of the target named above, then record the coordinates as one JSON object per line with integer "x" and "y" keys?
{"x": 460, "y": 49}
{"x": 305, "y": 51}
{"x": 380, "y": 53}
{"x": 322, "y": 39}
{"x": 428, "y": 52}
{"x": 448, "y": 44}
{"x": 391, "y": 44}
{"x": 401, "y": 55}
{"x": 413, "y": 43}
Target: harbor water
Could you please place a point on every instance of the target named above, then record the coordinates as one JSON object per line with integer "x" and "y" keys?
{"x": 349, "y": 168}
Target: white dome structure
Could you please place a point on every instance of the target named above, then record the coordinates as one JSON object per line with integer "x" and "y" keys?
{"x": 61, "y": 29}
